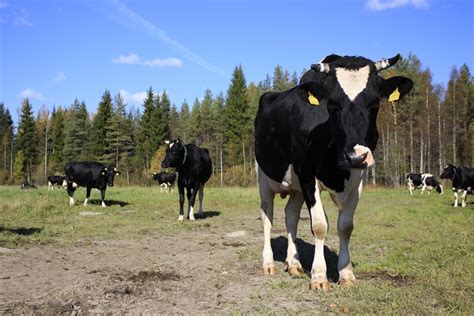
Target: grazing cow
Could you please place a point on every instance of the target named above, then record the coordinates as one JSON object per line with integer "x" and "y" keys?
{"x": 317, "y": 136}
{"x": 423, "y": 181}
{"x": 462, "y": 179}
{"x": 26, "y": 186}
{"x": 165, "y": 179}
{"x": 194, "y": 168}
{"x": 90, "y": 175}
{"x": 56, "y": 180}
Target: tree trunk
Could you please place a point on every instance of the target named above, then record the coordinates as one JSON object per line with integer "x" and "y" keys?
{"x": 222, "y": 169}
{"x": 428, "y": 138}
{"x": 421, "y": 151}
{"x": 440, "y": 157}
{"x": 454, "y": 124}
{"x": 46, "y": 155}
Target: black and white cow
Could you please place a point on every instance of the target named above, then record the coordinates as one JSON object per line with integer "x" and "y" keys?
{"x": 92, "y": 175}
{"x": 462, "y": 181}
{"x": 165, "y": 179}
{"x": 56, "y": 180}
{"x": 423, "y": 181}
{"x": 317, "y": 136}
{"x": 194, "y": 168}
{"x": 27, "y": 186}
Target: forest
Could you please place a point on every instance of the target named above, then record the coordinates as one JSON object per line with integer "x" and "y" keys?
{"x": 430, "y": 127}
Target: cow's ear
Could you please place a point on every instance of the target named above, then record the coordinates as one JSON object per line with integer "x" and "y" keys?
{"x": 396, "y": 88}
{"x": 311, "y": 93}
{"x": 330, "y": 58}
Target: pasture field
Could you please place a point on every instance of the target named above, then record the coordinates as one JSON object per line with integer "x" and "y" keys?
{"x": 411, "y": 255}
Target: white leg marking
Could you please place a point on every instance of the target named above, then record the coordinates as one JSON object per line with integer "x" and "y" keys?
{"x": 85, "y": 202}
{"x": 74, "y": 185}
{"x": 423, "y": 188}
{"x": 103, "y": 204}
{"x": 464, "y": 194}
{"x": 456, "y": 198}
{"x": 71, "y": 201}
{"x": 50, "y": 186}
{"x": 292, "y": 216}
{"x": 320, "y": 227}
{"x": 266, "y": 205}
{"x": 180, "y": 218}
{"x": 191, "y": 213}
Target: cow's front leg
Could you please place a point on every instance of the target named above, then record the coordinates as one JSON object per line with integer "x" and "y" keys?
{"x": 181, "y": 201}
{"x": 423, "y": 188}
{"x": 319, "y": 227}
{"x": 345, "y": 225}
{"x": 292, "y": 216}
{"x": 70, "y": 191}
{"x": 192, "y": 199}
{"x": 88, "y": 194}
{"x": 455, "y": 197}
{"x": 102, "y": 196}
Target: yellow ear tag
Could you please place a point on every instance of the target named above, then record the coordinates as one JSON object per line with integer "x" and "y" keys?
{"x": 395, "y": 96}
{"x": 312, "y": 99}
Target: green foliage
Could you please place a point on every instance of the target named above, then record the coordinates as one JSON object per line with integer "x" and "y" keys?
{"x": 57, "y": 140}
{"x": 27, "y": 138}
{"x": 76, "y": 131}
{"x": 102, "y": 150}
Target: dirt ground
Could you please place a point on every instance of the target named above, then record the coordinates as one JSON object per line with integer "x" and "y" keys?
{"x": 192, "y": 272}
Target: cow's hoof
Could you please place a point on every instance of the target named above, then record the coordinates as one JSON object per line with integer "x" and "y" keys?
{"x": 295, "y": 271}
{"x": 192, "y": 219}
{"x": 180, "y": 218}
{"x": 319, "y": 286}
{"x": 347, "y": 283}
{"x": 269, "y": 270}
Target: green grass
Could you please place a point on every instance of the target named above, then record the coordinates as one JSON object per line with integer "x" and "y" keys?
{"x": 412, "y": 254}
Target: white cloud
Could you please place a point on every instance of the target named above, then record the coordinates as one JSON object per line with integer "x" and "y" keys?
{"x": 129, "y": 59}
{"x": 31, "y": 94}
{"x": 21, "y": 18}
{"x": 167, "y": 62}
{"x": 59, "y": 77}
{"x": 380, "y": 5}
{"x": 133, "y": 98}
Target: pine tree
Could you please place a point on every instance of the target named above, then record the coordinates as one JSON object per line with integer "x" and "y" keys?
{"x": 43, "y": 133}
{"x": 6, "y": 142}
{"x": 173, "y": 122}
{"x": 27, "y": 139}
{"x": 236, "y": 118}
{"x": 184, "y": 123}
{"x": 148, "y": 129}
{"x": 195, "y": 123}
{"x": 165, "y": 118}
{"x": 101, "y": 149}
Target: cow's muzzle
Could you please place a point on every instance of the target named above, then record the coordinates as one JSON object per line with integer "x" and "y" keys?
{"x": 360, "y": 158}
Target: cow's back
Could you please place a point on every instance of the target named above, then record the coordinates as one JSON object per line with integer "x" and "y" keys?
{"x": 200, "y": 165}
{"x": 85, "y": 173}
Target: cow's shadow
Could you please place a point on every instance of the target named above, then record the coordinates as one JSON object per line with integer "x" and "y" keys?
{"x": 306, "y": 254}
{"x": 108, "y": 202}
{"x": 24, "y": 231}
{"x": 207, "y": 214}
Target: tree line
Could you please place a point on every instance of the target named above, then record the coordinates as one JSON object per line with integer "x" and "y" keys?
{"x": 430, "y": 127}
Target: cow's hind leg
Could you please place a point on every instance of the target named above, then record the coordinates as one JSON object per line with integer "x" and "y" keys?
{"x": 191, "y": 199}
{"x": 455, "y": 197}
{"x": 50, "y": 186}
{"x": 181, "y": 201}
{"x": 292, "y": 216}
{"x": 266, "y": 203}
{"x": 201, "y": 196}
{"x": 464, "y": 195}
{"x": 102, "y": 195}
{"x": 345, "y": 225}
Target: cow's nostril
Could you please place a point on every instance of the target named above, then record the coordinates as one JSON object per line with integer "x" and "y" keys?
{"x": 356, "y": 161}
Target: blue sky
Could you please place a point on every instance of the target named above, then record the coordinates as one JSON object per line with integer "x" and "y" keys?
{"x": 53, "y": 51}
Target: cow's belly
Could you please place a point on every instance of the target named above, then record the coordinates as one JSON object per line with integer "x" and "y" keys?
{"x": 290, "y": 181}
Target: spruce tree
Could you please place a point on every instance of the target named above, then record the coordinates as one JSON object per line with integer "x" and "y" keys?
{"x": 27, "y": 139}
{"x": 165, "y": 118}
{"x": 101, "y": 149}
{"x": 184, "y": 123}
{"x": 236, "y": 118}
{"x": 57, "y": 141}
{"x": 6, "y": 144}
{"x": 76, "y": 131}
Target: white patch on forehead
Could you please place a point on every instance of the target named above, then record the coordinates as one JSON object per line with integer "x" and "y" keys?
{"x": 354, "y": 81}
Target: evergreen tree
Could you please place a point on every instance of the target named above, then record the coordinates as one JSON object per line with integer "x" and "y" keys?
{"x": 236, "y": 118}
{"x": 173, "y": 122}
{"x": 43, "y": 132}
{"x": 27, "y": 139}
{"x": 184, "y": 123}
{"x": 165, "y": 118}
{"x": 281, "y": 79}
{"x": 76, "y": 136}
{"x": 195, "y": 123}
{"x": 6, "y": 141}
{"x": 57, "y": 141}
{"x": 148, "y": 129}
{"x": 101, "y": 149}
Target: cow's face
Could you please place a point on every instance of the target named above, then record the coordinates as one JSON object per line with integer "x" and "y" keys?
{"x": 155, "y": 175}
{"x": 109, "y": 173}
{"x": 175, "y": 154}
{"x": 352, "y": 88}
{"x": 448, "y": 172}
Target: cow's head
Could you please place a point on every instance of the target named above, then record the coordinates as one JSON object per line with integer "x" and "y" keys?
{"x": 154, "y": 175}
{"x": 352, "y": 88}
{"x": 448, "y": 172}
{"x": 109, "y": 174}
{"x": 175, "y": 155}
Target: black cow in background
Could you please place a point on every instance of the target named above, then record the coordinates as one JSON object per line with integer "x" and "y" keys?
{"x": 318, "y": 136}
{"x": 165, "y": 179}
{"x": 56, "y": 180}
{"x": 26, "y": 186}
{"x": 194, "y": 168}
{"x": 423, "y": 181}
{"x": 462, "y": 181}
{"x": 90, "y": 175}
